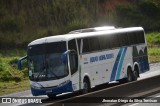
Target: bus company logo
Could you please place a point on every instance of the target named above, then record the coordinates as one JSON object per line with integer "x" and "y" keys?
{"x": 6, "y": 100}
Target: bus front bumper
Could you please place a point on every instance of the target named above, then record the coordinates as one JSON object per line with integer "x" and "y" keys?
{"x": 52, "y": 90}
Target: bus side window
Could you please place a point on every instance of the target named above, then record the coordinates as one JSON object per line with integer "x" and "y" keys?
{"x": 94, "y": 44}
{"x": 114, "y": 40}
{"x": 73, "y": 62}
{"x": 140, "y": 37}
{"x": 132, "y": 38}
{"x": 73, "y": 56}
{"x": 91, "y": 44}
{"x": 85, "y": 46}
{"x": 72, "y": 45}
{"x": 104, "y": 42}
{"x": 123, "y": 39}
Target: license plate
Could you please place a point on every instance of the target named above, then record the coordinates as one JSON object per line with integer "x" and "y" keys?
{"x": 49, "y": 91}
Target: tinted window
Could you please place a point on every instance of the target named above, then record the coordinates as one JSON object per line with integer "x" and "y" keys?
{"x": 114, "y": 40}
{"x": 136, "y": 37}
{"x": 91, "y": 44}
{"x": 132, "y": 38}
{"x": 47, "y": 48}
{"x": 55, "y": 47}
{"x": 104, "y": 42}
{"x": 85, "y": 46}
{"x": 123, "y": 39}
{"x": 73, "y": 56}
{"x": 72, "y": 45}
{"x": 140, "y": 36}
{"x": 73, "y": 62}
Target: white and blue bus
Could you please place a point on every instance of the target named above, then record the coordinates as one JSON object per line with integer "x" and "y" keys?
{"x": 82, "y": 60}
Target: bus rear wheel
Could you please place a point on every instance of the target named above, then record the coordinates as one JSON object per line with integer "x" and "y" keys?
{"x": 135, "y": 75}
{"x": 86, "y": 86}
{"x": 129, "y": 75}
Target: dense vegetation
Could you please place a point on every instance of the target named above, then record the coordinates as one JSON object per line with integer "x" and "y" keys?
{"x": 153, "y": 39}
{"x": 22, "y": 21}
{"x": 8, "y": 66}
{"x": 11, "y": 79}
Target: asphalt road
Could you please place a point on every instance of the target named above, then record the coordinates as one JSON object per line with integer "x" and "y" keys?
{"x": 152, "y": 97}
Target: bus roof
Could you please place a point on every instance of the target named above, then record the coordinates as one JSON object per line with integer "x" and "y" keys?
{"x": 95, "y": 29}
{"x": 66, "y": 37}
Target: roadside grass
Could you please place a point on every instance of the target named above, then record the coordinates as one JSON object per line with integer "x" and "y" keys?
{"x": 11, "y": 79}
{"x": 153, "y": 42}
{"x": 12, "y": 86}
{"x": 154, "y": 54}
{"x": 153, "y": 39}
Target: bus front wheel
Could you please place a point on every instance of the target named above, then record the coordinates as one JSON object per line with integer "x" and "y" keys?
{"x": 86, "y": 86}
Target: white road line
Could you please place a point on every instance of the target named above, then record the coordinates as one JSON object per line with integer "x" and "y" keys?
{"x": 140, "y": 103}
{"x": 158, "y": 96}
{"x": 133, "y": 104}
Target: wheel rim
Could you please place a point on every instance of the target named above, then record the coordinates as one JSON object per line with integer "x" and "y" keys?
{"x": 135, "y": 75}
{"x": 85, "y": 87}
{"x": 129, "y": 76}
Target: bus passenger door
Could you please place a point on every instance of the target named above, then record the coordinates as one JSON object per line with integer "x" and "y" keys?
{"x": 73, "y": 62}
{"x": 73, "y": 58}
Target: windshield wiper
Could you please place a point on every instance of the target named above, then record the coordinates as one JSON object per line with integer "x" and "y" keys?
{"x": 45, "y": 68}
{"x": 41, "y": 71}
{"x": 55, "y": 75}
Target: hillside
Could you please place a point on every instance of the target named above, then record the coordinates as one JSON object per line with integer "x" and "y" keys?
{"x": 124, "y": 13}
{"x": 22, "y": 21}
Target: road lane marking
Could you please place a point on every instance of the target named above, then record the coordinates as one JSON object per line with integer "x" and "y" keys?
{"x": 133, "y": 104}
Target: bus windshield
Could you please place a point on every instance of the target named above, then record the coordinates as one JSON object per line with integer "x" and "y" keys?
{"x": 45, "y": 63}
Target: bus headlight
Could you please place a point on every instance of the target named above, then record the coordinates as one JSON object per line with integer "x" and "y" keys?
{"x": 63, "y": 83}
{"x": 36, "y": 86}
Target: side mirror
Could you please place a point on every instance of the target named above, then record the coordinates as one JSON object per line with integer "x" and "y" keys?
{"x": 64, "y": 56}
{"x": 19, "y": 63}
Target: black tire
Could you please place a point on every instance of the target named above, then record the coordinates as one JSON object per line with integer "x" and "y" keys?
{"x": 51, "y": 96}
{"x": 86, "y": 86}
{"x": 123, "y": 80}
{"x": 129, "y": 75}
{"x": 135, "y": 75}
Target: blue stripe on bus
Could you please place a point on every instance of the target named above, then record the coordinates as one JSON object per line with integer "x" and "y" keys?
{"x": 121, "y": 63}
{"x": 115, "y": 65}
